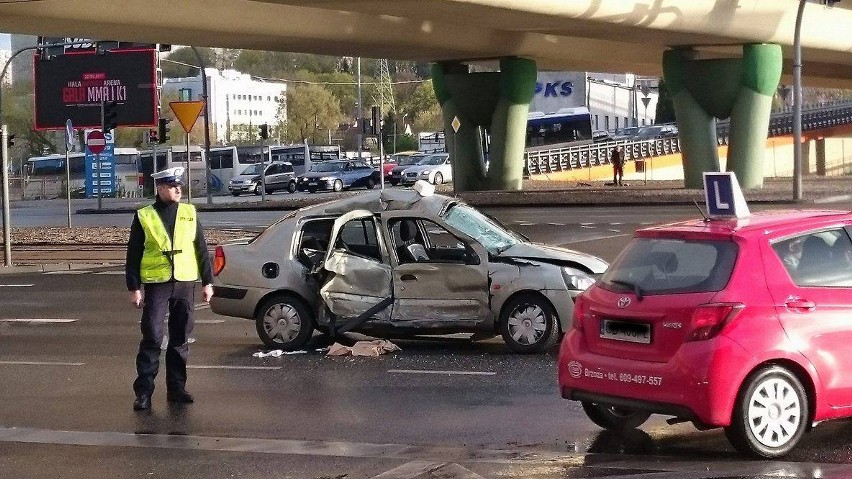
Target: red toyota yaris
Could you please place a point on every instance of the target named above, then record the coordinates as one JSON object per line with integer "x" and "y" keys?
{"x": 742, "y": 324}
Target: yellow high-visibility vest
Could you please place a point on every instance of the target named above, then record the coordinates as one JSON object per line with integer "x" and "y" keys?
{"x": 161, "y": 259}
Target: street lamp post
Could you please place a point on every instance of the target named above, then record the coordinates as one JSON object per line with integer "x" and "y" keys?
{"x": 797, "y": 104}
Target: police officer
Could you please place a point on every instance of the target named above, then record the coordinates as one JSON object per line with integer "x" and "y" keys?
{"x": 166, "y": 255}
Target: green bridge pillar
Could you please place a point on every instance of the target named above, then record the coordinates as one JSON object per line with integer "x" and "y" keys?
{"x": 496, "y": 101}
{"x": 706, "y": 89}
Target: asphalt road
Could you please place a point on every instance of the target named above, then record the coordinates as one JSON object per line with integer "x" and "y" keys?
{"x": 442, "y": 408}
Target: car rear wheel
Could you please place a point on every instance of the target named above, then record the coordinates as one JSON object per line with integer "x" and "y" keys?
{"x": 370, "y": 184}
{"x": 338, "y": 185}
{"x": 528, "y": 324}
{"x": 257, "y": 188}
{"x": 771, "y": 414}
{"x": 394, "y": 182}
{"x": 614, "y": 417}
{"x": 439, "y": 178}
{"x": 284, "y": 322}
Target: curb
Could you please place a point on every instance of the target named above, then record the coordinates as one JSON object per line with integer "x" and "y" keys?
{"x": 51, "y": 267}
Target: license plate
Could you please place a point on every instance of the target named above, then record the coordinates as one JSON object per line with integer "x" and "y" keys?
{"x": 626, "y": 331}
{"x": 312, "y": 183}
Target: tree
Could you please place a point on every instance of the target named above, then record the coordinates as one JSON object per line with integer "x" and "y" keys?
{"x": 311, "y": 112}
{"x": 173, "y": 66}
{"x": 421, "y": 102}
{"x": 665, "y": 109}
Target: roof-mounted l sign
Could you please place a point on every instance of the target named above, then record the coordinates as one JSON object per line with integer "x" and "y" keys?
{"x": 723, "y": 196}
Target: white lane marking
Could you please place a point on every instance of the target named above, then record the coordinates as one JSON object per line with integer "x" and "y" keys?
{"x": 16, "y": 285}
{"x": 76, "y": 271}
{"x": 587, "y": 226}
{"x": 38, "y": 363}
{"x": 209, "y": 321}
{"x": 250, "y": 368}
{"x": 201, "y": 306}
{"x": 526, "y": 224}
{"x": 111, "y": 272}
{"x": 223, "y": 222}
{"x": 556, "y": 224}
{"x": 437, "y": 371}
{"x": 600, "y": 238}
{"x": 37, "y": 320}
{"x": 615, "y": 231}
{"x": 615, "y": 224}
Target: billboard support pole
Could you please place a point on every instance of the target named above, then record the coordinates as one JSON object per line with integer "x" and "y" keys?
{"x": 188, "y": 174}
{"x": 68, "y": 182}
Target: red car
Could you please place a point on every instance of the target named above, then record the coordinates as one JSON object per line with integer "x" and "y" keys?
{"x": 741, "y": 324}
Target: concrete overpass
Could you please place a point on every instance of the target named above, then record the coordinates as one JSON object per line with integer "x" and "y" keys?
{"x": 589, "y": 35}
{"x": 721, "y": 58}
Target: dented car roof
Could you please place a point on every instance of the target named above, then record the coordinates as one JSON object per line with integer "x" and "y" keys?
{"x": 378, "y": 201}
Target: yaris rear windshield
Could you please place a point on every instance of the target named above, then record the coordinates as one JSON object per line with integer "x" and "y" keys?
{"x": 652, "y": 266}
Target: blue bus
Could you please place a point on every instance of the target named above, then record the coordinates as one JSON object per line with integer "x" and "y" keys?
{"x": 565, "y": 127}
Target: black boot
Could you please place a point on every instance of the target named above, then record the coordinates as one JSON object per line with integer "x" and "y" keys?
{"x": 142, "y": 402}
{"x": 180, "y": 396}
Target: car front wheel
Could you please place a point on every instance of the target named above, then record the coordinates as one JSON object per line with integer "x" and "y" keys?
{"x": 439, "y": 178}
{"x": 284, "y": 322}
{"x": 257, "y": 189}
{"x": 771, "y": 414}
{"x": 338, "y": 185}
{"x": 291, "y": 187}
{"x": 614, "y": 417}
{"x": 528, "y": 324}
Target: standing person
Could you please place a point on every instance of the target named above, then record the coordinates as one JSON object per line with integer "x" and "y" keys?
{"x": 166, "y": 255}
{"x": 617, "y": 159}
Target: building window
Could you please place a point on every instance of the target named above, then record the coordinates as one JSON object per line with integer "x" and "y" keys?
{"x": 597, "y": 123}
{"x": 616, "y": 123}
{"x": 606, "y": 122}
{"x": 625, "y": 122}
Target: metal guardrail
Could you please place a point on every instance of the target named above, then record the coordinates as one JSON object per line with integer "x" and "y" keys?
{"x": 541, "y": 162}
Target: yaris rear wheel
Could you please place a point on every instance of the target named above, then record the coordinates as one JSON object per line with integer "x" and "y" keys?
{"x": 771, "y": 414}
{"x": 283, "y": 322}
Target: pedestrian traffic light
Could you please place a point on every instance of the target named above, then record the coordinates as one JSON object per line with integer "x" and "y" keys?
{"x": 264, "y": 131}
{"x": 110, "y": 116}
{"x": 152, "y": 136}
{"x": 10, "y": 140}
{"x": 163, "y": 132}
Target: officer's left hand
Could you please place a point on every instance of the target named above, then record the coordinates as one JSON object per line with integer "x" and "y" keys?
{"x": 207, "y": 292}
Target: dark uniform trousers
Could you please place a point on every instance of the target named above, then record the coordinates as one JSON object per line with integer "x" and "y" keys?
{"x": 178, "y": 299}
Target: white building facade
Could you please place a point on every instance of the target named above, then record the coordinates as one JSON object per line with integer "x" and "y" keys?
{"x": 238, "y": 103}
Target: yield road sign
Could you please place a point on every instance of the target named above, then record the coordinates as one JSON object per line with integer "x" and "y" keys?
{"x": 96, "y": 141}
{"x": 187, "y": 112}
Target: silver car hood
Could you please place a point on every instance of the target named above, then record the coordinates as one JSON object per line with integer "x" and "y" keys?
{"x": 554, "y": 254}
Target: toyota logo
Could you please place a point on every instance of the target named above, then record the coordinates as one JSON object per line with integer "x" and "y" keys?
{"x": 623, "y": 302}
{"x": 575, "y": 369}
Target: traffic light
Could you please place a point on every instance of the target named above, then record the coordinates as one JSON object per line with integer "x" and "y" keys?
{"x": 110, "y": 116}
{"x": 163, "y": 132}
{"x": 264, "y": 131}
{"x": 376, "y": 120}
{"x": 152, "y": 136}
{"x": 10, "y": 140}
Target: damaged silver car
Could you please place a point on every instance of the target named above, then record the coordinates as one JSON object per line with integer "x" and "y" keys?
{"x": 399, "y": 264}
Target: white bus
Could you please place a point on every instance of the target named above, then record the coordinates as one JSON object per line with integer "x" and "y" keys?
{"x": 45, "y": 175}
{"x": 197, "y": 168}
{"x": 227, "y": 162}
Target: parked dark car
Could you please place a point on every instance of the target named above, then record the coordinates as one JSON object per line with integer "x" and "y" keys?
{"x": 337, "y": 175}
{"x": 395, "y": 176}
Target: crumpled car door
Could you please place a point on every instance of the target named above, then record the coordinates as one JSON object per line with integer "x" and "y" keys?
{"x": 357, "y": 283}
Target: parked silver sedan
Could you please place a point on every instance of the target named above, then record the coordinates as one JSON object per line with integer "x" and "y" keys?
{"x": 399, "y": 263}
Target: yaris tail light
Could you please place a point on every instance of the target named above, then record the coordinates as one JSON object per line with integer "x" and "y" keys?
{"x": 581, "y": 312}
{"x": 218, "y": 261}
{"x": 709, "y": 319}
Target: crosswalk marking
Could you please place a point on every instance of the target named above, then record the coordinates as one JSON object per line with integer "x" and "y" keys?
{"x": 428, "y": 371}
{"x": 249, "y": 368}
{"x": 16, "y": 285}
{"x": 37, "y": 320}
{"x": 39, "y": 363}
